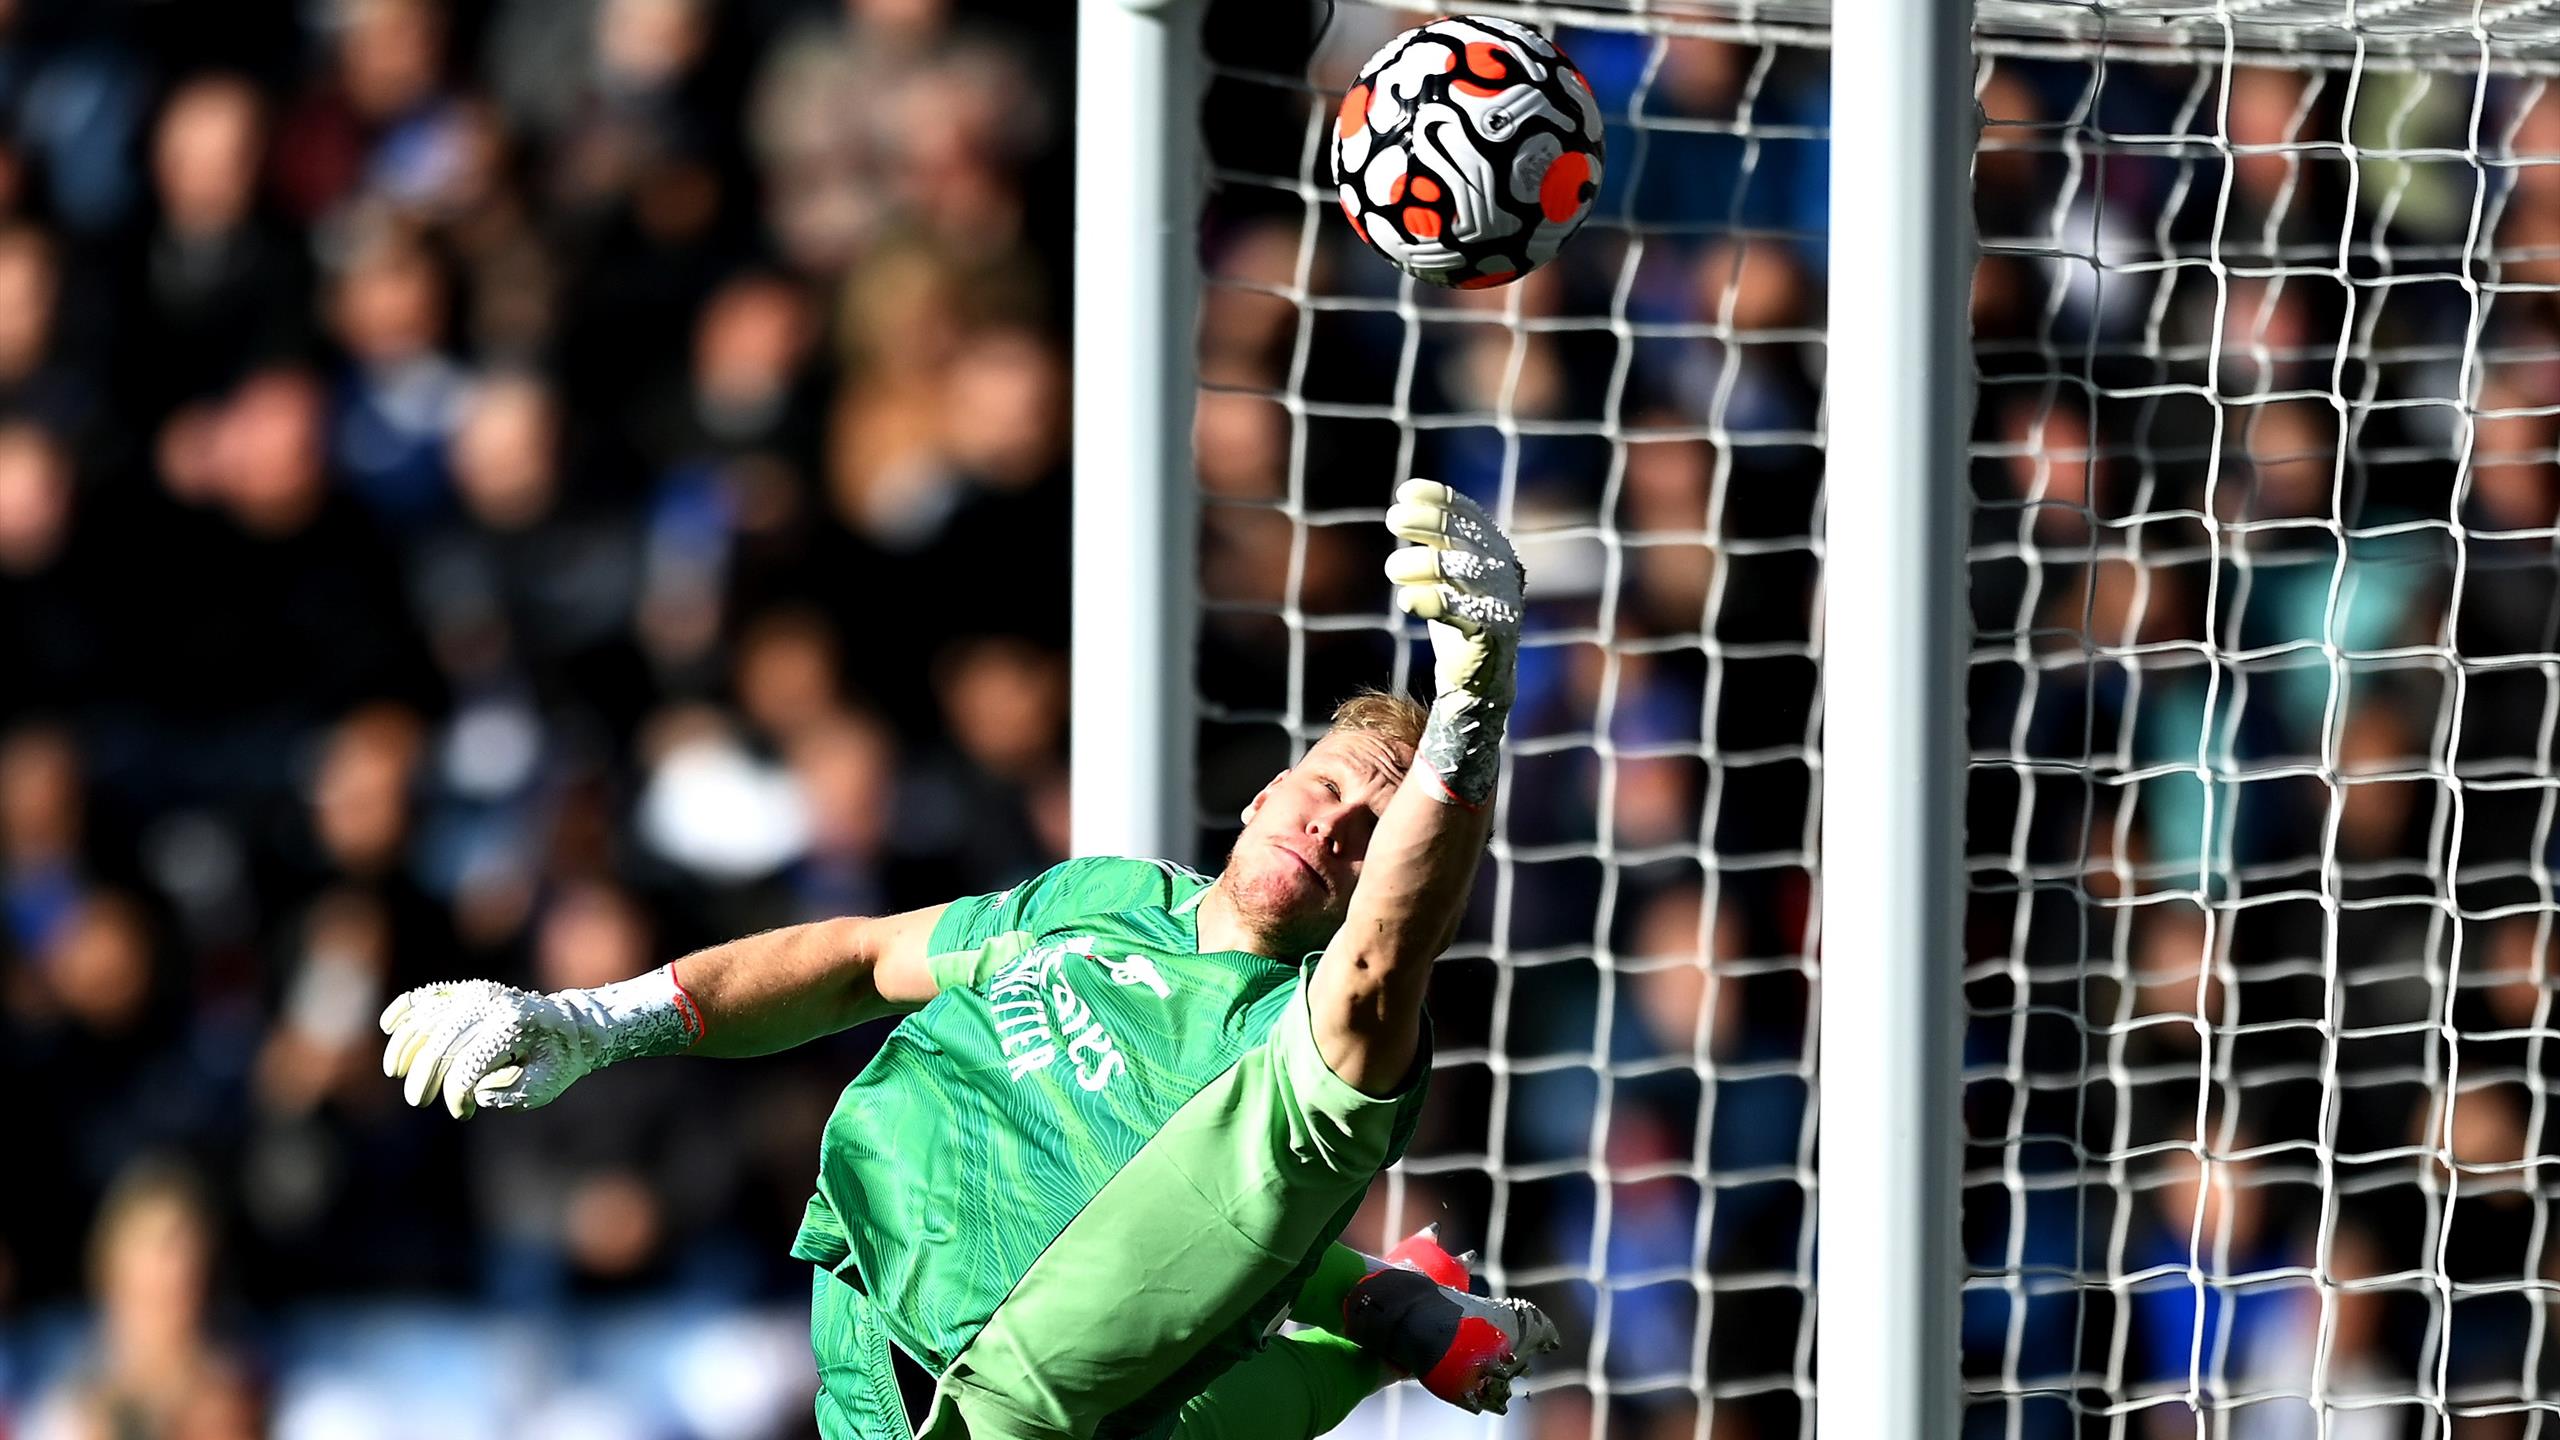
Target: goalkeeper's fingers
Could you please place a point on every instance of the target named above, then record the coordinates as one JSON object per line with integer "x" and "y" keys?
{"x": 474, "y": 1054}
{"x": 1435, "y": 603}
{"x": 426, "y": 1036}
{"x": 520, "y": 1086}
{"x": 1427, "y": 512}
{"x": 403, "y": 1023}
{"x": 414, "y": 1016}
{"x": 427, "y": 999}
{"x": 502, "y": 1063}
{"x": 1430, "y": 514}
{"x": 1448, "y": 587}
{"x": 1464, "y": 569}
{"x": 420, "y": 1031}
{"x": 429, "y": 1053}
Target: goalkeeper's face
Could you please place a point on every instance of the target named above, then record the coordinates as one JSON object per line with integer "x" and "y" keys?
{"x": 1305, "y": 836}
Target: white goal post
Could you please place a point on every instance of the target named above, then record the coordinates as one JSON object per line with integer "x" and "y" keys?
{"x": 1136, "y": 289}
{"x": 1899, "y": 395}
{"x": 2044, "y": 529}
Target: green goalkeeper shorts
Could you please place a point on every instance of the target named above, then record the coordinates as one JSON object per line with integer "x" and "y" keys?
{"x": 1300, "y": 1387}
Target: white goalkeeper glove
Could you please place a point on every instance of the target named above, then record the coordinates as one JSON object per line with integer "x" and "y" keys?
{"x": 482, "y": 1045}
{"x": 1459, "y": 573}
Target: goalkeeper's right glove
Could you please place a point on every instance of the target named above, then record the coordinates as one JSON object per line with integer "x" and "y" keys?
{"x": 1417, "y": 1310}
{"x": 1459, "y": 573}
{"x": 482, "y": 1045}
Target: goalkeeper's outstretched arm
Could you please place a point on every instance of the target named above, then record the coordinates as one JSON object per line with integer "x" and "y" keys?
{"x": 478, "y": 1044}
{"x": 787, "y": 987}
{"x": 1460, "y": 574}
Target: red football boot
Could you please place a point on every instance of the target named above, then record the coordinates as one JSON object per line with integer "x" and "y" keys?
{"x": 1415, "y": 1309}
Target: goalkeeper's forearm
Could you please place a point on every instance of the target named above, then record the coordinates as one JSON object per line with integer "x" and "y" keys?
{"x": 1459, "y": 574}
{"x": 1369, "y": 987}
{"x": 786, "y": 987}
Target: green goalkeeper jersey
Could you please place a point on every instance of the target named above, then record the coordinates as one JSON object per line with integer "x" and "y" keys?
{"x": 1093, "y": 1173}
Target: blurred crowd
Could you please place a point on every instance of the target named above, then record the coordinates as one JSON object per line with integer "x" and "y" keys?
{"x": 526, "y": 487}
{"x": 2262, "y": 710}
{"x": 518, "y": 489}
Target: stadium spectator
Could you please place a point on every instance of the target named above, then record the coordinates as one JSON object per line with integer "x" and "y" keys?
{"x": 400, "y": 394}
{"x": 36, "y": 379}
{"x": 531, "y": 589}
{"x": 156, "y": 1370}
{"x": 606, "y": 1193}
{"x": 220, "y": 283}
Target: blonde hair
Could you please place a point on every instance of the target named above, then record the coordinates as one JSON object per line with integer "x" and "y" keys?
{"x": 1377, "y": 712}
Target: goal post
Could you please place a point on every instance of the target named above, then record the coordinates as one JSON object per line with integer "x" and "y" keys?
{"x": 1136, "y": 518}
{"x": 1898, "y": 385}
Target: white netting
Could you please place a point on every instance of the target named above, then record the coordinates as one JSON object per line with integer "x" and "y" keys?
{"x": 2264, "y": 674}
{"x": 1620, "y": 1113}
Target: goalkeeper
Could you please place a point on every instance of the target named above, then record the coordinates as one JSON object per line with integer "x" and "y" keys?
{"x": 1109, "y": 1150}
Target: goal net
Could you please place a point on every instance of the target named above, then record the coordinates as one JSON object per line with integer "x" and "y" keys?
{"x": 1620, "y": 1115}
{"x": 2264, "y": 675}
{"x": 2265, "y": 667}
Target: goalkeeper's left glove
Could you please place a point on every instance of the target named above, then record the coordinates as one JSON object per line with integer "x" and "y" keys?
{"x": 1417, "y": 1310}
{"x": 485, "y": 1046}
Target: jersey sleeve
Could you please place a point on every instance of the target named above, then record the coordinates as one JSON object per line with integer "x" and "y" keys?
{"x": 968, "y": 922}
{"x": 1323, "y": 1121}
{"x": 970, "y": 942}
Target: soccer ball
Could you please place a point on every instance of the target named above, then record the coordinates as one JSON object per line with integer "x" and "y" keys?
{"x": 1468, "y": 151}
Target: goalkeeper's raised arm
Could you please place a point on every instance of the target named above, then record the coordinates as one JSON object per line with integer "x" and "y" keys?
{"x": 1461, "y": 575}
{"x": 1131, "y": 1107}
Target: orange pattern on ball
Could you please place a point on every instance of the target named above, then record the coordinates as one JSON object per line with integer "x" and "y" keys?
{"x": 1355, "y": 111}
{"x": 1489, "y": 67}
{"x": 1560, "y": 194}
